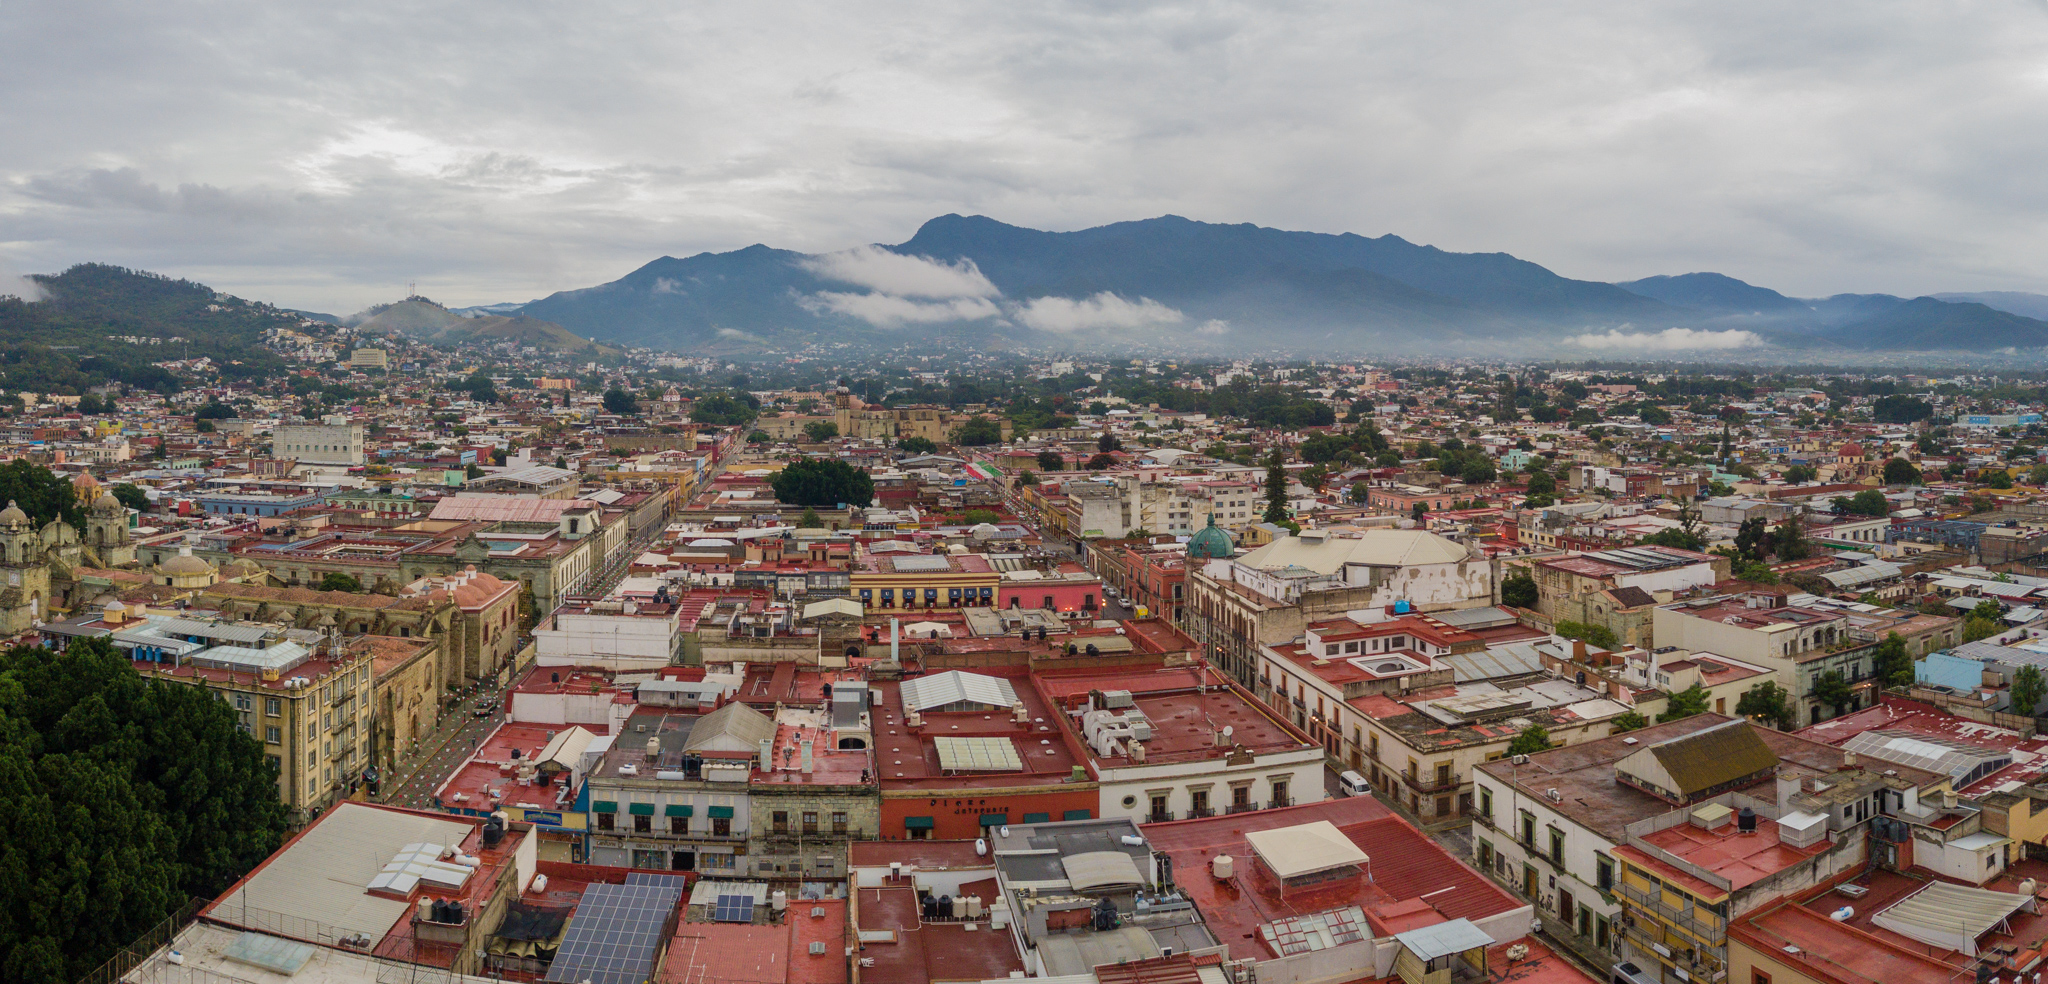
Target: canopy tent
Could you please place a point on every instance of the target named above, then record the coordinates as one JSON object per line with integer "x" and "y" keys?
{"x": 1951, "y": 916}
{"x": 1305, "y": 849}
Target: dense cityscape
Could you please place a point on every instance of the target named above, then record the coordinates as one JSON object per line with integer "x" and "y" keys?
{"x": 557, "y": 661}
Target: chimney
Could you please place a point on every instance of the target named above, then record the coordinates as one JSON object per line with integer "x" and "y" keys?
{"x": 1578, "y": 650}
{"x": 1788, "y": 787}
{"x": 806, "y": 746}
{"x": 1849, "y": 760}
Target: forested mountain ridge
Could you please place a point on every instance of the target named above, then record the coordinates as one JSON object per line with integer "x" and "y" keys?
{"x": 82, "y": 332}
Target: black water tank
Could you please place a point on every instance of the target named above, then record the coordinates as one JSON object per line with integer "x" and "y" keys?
{"x": 494, "y": 831}
{"x": 945, "y": 907}
{"x": 455, "y": 912}
{"x": 931, "y": 907}
{"x": 1745, "y": 821}
{"x": 441, "y": 911}
{"x": 554, "y": 678}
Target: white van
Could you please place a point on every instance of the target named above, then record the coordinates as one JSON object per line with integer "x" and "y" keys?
{"x": 1353, "y": 784}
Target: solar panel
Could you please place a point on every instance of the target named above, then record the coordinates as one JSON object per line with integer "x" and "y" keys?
{"x": 677, "y": 882}
{"x": 733, "y": 908}
{"x": 614, "y": 932}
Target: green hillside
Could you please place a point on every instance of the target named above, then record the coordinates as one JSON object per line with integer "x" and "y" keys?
{"x": 73, "y": 338}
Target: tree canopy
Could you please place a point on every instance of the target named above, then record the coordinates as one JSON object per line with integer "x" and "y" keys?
{"x": 120, "y": 798}
{"x": 1769, "y": 703}
{"x": 1518, "y": 590}
{"x": 723, "y": 410}
{"x": 620, "y": 402}
{"x": 40, "y": 493}
{"x": 823, "y": 482}
{"x": 1534, "y": 738}
{"x": 978, "y": 431}
{"x": 131, "y": 495}
{"x": 912, "y": 445}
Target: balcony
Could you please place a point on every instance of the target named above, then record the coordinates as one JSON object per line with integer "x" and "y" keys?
{"x": 1200, "y": 812}
{"x": 1434, "y": 784}
{"x": 1236, "y": 808}
{"x": 1159, "y": 816}
{"x": 1701, "y": 924}
{"x": 1280, "y": 801}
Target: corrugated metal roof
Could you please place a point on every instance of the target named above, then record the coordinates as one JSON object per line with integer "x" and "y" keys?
{"x": 955, "y": 686}
{"x": 323, "y": 876}
{"x": 1518, "y": 659}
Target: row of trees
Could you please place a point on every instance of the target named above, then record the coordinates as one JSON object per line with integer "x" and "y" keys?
{"x": 120, "y": 798}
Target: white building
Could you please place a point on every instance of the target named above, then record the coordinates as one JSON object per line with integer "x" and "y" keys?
{"x": 616, "y": 635}
{"x": 335, "y": 440}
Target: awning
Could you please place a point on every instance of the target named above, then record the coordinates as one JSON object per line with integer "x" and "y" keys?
{"x": 1078, "y": 815}
{"x": 719, "y": 813}
{"x": 917, "y": 823}
{"x": 605, "y": 806}
{"x": 678, "y": 811}
{"x": 994, "y": 819}
{"x": 640, "y": 809}
{"x": 1037, "y": 818}
{"x": 1951, "y": 916}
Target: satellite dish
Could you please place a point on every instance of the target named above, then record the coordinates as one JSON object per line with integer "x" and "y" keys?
{"x": 1228, "y": 731}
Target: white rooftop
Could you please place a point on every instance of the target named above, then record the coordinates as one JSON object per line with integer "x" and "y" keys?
{"x": 1305, "y": 849}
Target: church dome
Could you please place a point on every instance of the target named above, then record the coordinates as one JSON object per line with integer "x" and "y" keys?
{"x": 185, "y": 563}
{"x": 1210, "y": 543}
{"x": 12, "y": 515}
{"x": 106, "y": 503}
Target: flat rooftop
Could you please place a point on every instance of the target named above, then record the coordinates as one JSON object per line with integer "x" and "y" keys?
{"x": 907, "y": 759}
{"x": 1742, "y": 859}
{"x": 929, "y": 952}
{"x": 1406, "y": 867}
{"x": 492, "y": 769}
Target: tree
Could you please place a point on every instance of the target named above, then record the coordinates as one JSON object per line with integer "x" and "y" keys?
{"x": 1419, "y": 512}
{"x": 1754, "y": 571}
{"x": 723, "y": 410}
{"x": 1276, "y": 487}
{"x": 131, "y": 496}
{"x": 1630, "y": 721}
{"x": 1676, "y": 537}
{"x": 1789, "y": 540}
{"x": 978, "y": 431}
{"x": 1832, "y": 689}
{"x": 820, "y": 431}
{"x": 618, "y": 401}
{"x": 1540, "y": 481}
{"x": 1594, "y": 635}
{"x": 758, "y": 437}
{"x": 1518, "y": 590}
{"x": 119, "y": 799}
{"x": 1769, "y": 703}
{"x": 1532, "y": 739}
{"x": 823, "y": 482}
{"x": 338, "y": 581}
{"x": 1027, "y": 477}
{"x": 1101, "y": 460}
{"x": 214, "y": 410}
{"x": 1107, "y": 442}
{"x": 1685, "y": 703}
{"x": 1051, "y": 461}
{"x": 1996, "y": 478}
{"x": 1899, "y": 471}
{"x": 2027, "y": 690}
{"x": 911, "y": 445}
{"x": 1359, "y": 494}
{"x": 40, "y": 493}
{"x": 1752, "y": 539}
{"x": 1800, "y": 474}
{"x": 1988, "y": 610}
{"x": 1977, "y": 628}
{"x": 1897, "y": 409}
{"x": 1892, "y": 663}
{"x": 809, "y": 520}
{"x": 1869, "y": 502}
{"x": 976, "y": 517}
{"x": 1315, "y": 476}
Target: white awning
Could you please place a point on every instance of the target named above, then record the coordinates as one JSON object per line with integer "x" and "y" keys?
{"x": 1951, "y": 916}
{"x": 1305, "y": 849}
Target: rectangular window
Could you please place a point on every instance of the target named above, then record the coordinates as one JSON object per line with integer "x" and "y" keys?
{"x": 839, "y": 823}
{"x": 779, "y": 820}
{"x": 1486, "y": 804}
{"x": 1606, "y": 873}
{"x": 607, "y": 821}
{"x": 273, "y": 736}
{"x": 643, "y": 824}
{"x": 679, "y": 825}
{"x": 1557, "y": 845}
{"x": 810, "y": 821}
{"x": 721, "y": 827}
{"x": 273, "y": 707}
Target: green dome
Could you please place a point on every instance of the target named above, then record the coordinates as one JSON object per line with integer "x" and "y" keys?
{"x": 1211, "y": 542}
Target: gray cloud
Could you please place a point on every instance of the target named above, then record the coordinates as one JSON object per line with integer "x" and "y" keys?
{"x": 323, "y": 157}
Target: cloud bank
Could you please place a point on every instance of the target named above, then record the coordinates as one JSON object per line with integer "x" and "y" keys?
{"x": 1668, "y": 340}
{"x": 1104, "y": 311}
{"x": 885, "y": 311}
{"x": 898, "y": 275}
{"x": 15, "y": 285}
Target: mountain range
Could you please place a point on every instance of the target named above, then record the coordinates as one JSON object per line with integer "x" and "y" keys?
{"x": 1178, "y": 283}
{"x": 419, "y": 318}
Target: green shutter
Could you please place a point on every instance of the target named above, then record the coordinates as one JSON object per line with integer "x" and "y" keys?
{"x": 994, "y": 819}
{"x": 678, "y": 811}
{"x": 917, "y": 823}
{"x": 1037, "y": 818}
{"x": 1078, "y": 815}
{"x": 720, "y": 813}
{"x": 641, "y": 809}
{"x": 605, "y": 806}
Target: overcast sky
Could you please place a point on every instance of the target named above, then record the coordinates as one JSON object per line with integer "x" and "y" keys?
{"x": 324, "y": 155}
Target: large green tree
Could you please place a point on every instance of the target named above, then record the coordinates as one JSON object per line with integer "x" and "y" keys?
{"x": 1685, "y": 703}
{"x": 1532, "y": 739}
{"x": 120, "y": 797}
{"x": 1769, "y": 703}
{"x": 978, "y": 431}
{"x": 40, "y": 493}
{"x": 1518, "y": 590}
{"x": 1276, "y": 487}
{"x": 823, "y": 482}
{"x": 2027, "y": 690}
{"x": 1892, "y": 663}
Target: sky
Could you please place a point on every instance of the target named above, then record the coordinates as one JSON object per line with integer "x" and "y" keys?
{"x": 325, "y": 156}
